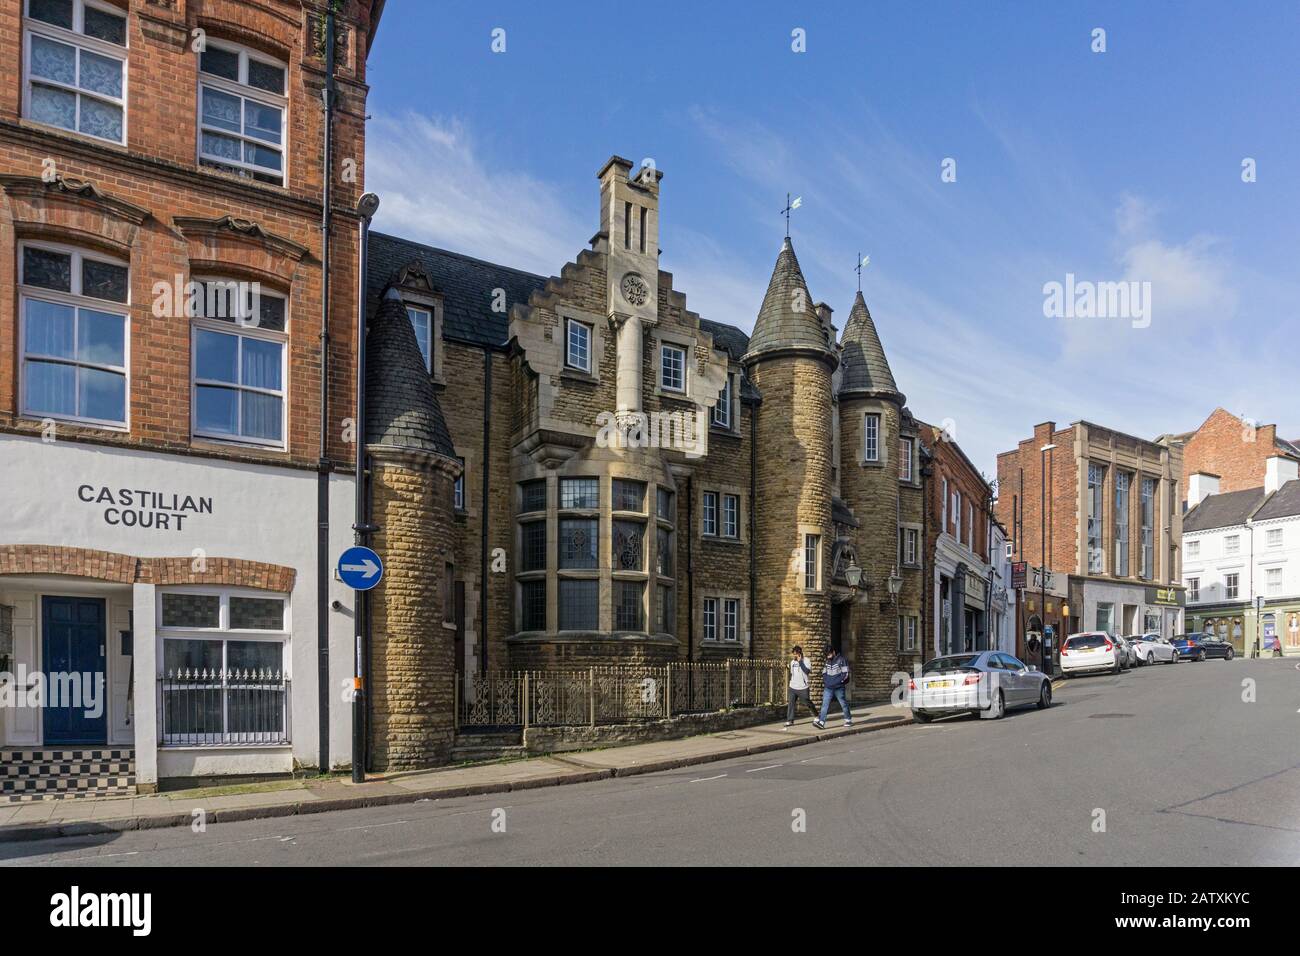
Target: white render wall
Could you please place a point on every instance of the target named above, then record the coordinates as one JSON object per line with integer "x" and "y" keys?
{"x": 259, "y": 513}
{"x": 1251, "y": 563}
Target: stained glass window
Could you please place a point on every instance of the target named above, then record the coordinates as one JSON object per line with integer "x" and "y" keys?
{"x": 628, "y": 537}
{"x": 578, "y": 543}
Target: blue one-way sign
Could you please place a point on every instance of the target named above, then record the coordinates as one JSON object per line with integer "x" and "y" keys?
{"x": 360, "y": 568}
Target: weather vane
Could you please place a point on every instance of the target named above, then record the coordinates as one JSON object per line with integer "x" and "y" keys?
{"x": 798, "y": 201}
{"x": 863, "y": 262}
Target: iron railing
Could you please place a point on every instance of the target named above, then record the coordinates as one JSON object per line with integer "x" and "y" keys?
{"x": 201, "y": 707}
{"x": 616, "y": 694}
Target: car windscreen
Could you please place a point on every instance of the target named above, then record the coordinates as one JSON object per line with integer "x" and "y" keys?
{"x": 956, "y": 662}
{"x": 1085, "y": 640}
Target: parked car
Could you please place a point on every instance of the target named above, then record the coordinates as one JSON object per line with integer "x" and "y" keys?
{"x": 1088, "y": 652}
{"x": 985, "y": 683}
{"x": 1133, "y": 641}
{"x": 1127, "y": 656}
{"x": 1152, "y": 647}
{"x": 1215, "y": 646}
{"x": 1189, "y": 647}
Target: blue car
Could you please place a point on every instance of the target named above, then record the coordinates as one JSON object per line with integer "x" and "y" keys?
{"x": 1189, "y": 647}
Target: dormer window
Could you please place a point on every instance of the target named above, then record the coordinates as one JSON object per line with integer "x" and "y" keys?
{"x": 422, "y": 323}
{"x": 242, "y": 109}
{"x": 75, "y": 67}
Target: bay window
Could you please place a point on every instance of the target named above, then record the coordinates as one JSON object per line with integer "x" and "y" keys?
{"x": 74, "y": 335}
{"x": 242, "y": 108}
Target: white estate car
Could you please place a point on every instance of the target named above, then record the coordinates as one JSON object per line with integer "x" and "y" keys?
{"x": 1151, "y": 647}
{"x": 1090, "y": 651}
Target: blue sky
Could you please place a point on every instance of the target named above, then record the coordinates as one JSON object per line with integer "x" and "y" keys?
{"x": 1117, "y": 166}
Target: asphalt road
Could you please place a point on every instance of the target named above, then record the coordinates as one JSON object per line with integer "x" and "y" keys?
{"x": 1184, "y": 770}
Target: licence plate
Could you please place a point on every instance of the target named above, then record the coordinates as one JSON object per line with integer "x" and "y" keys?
{"x": 940, "y": 683}
{"x": 1087, "y": 650}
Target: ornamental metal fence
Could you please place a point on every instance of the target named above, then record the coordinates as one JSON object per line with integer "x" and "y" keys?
{"x": 211, "y": 707}
{"x": 616, "y": 694}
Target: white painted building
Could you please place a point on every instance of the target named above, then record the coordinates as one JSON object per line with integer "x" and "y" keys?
{"x": 1241, "y": 560}
{"x": 98, "y": 555}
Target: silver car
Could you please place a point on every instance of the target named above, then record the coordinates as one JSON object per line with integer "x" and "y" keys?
{"x": 985, "y": 683}
{"x": 1151, "y": 647}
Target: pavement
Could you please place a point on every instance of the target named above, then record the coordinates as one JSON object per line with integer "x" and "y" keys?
{"x": 51, "y": 819}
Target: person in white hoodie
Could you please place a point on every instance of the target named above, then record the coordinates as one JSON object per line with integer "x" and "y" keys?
{"x": 798, "y": 689}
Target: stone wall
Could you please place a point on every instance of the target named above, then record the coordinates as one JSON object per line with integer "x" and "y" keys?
{"x": 794, "y": 473}
{"x": 411, "y": 677}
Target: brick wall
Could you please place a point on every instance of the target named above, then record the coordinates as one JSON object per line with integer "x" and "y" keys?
{"x": 157, "y": 174}
{"x": 1230, "y": 447}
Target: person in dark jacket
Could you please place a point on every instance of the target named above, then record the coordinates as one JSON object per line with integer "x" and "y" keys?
{"x": 835, "y": 679}
{"x": 798, "y": 686}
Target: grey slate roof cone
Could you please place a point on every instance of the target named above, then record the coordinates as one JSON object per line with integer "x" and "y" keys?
{"x": 788, "y": 318}
{"x": 863, "y": 366}
{"x": 402, "y": 410}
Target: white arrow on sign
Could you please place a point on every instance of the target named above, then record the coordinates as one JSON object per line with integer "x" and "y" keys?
{"x": 367, "y": 568}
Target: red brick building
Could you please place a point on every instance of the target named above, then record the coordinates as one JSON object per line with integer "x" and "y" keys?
{"x": 1097, "y": 510}
{"x": 165, "y": 347}
{"x": 959, "y": 503}
{"x": 1233, "y": 449}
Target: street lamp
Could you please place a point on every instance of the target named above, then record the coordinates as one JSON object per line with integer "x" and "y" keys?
{"x": 367, "y": 206}
{"x": 853, "y": 574}
{"x": 895, "y": 584}
{"x": 1044, "y": 654}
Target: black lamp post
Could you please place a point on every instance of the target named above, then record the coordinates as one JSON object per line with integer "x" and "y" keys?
{"x": 367, "y": 206}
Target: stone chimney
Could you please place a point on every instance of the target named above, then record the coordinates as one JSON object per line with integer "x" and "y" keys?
{"x": 1200, "y": 485}
{"x": 629, "y": 217}
{"x": 1278, "y": 471}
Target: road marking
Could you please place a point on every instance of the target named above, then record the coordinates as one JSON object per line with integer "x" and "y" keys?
{"x": 705, "y": 779}
{"x": 768, "y": 767}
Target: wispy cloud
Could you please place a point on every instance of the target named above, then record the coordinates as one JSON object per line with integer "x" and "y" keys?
{"x": 436, "y": 187}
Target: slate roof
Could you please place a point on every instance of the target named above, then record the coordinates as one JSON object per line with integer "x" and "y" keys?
{"x": 402, "y": 407}
{"x": 467, "y": 286}
{"x": 780, "y": 325}
{"x": 1285, "y": 502}
{"x": 863, "y": 366}
{"x": 1223, "y": 511}
{"x": 727, "y": 337}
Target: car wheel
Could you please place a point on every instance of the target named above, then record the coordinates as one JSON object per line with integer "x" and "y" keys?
{"x": 1115, "y": 668}
{"x": 999, "y": 707}
{"x": 1045, "y": 695}
{"x": 1228, "y": 656}
{"x": 1201, "y": 657}
{"x": 1151, "y": 657}
{"x": 921, "y": 717}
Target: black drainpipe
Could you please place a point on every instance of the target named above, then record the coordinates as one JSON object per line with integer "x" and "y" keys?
{"x": 690, "y": 569}
{"x": 753, "y": 507}
{"x": 324, "y": 466}
{"x": 927, "y": 574}
{"x": 483, "y": 510}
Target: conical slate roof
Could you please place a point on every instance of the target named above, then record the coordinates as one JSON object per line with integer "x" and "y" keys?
{"x": 863, "y": 366}
{"x": 788, "y": 318}
{"x": 402, "y": 409}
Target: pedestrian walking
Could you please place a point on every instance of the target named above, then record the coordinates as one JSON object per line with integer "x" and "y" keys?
{"x": 798, "y": 688}
{"x": 835, "y": 679}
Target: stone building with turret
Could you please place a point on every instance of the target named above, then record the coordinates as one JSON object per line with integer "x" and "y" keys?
{"x": 626, "y": 480}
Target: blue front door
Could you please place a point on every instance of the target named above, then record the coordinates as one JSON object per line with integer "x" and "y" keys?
{"x": 74, "y": 641}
